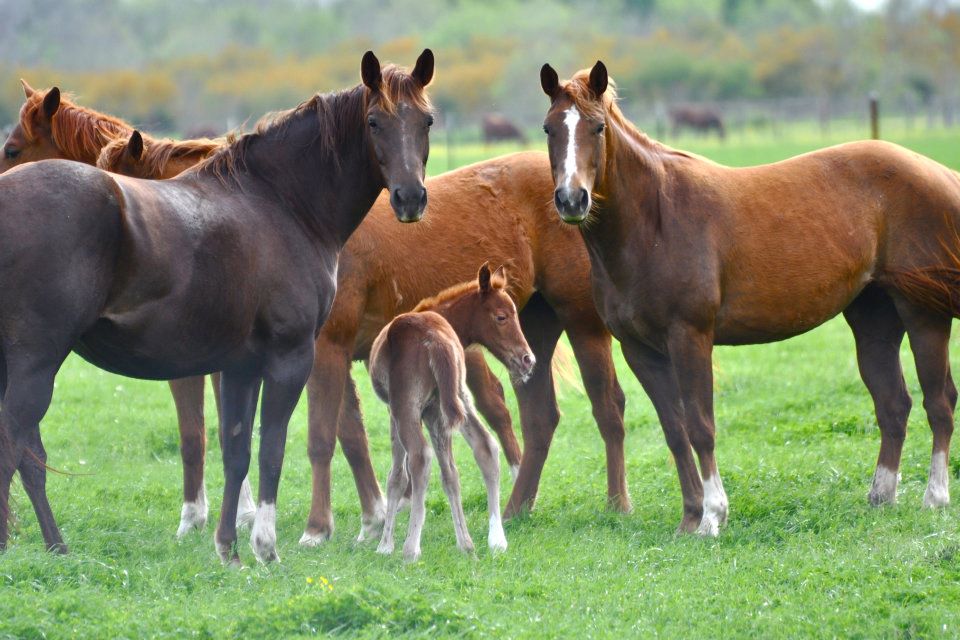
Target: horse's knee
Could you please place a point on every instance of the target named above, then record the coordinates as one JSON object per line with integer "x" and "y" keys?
{"x": 320, "y": 447}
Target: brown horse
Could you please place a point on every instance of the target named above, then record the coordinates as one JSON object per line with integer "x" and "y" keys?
{"x": 418, "y": 367}
{"x": 509, "y": 200}
{"x": 497, "y": 128}
{"x": 130, "y": 273}
{"x": 701, "y": 119}
{"x": 686, "y": 254}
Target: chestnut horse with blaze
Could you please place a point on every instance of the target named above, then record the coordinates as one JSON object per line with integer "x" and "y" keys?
{"x": 229, "y": 267}
{"x": 496, "y": 210}
{"x": 418, "y": 367}
{"x": 686, "y": 253}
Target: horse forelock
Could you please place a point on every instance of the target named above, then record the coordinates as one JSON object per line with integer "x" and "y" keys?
{"x": 77, "y": 131}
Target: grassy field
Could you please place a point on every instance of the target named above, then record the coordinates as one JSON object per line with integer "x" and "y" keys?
{"x": 802, "y": 555}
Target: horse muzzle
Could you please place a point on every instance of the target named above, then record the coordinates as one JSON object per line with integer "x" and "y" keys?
{"x": 522, "y": 365}
{"x": 573, "y": 204}
{"x": 409, "y": 202}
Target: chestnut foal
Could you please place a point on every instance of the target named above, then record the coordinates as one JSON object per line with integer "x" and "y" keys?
{"x": 418, "y": 367}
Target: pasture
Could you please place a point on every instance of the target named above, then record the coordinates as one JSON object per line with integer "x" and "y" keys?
{"x": 802, "y": 555}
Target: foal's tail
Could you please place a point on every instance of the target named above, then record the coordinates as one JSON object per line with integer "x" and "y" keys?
{"x": 937, "y": 287}
{"x": 444, "y": 360}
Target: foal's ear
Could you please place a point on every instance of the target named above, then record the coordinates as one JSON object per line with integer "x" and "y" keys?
{"x": 598, "y": 79}
{"x": 51, "y": 102}
{"x": 423, "y": 70}
{"x": 483, "y": 277}
{"x": 27, "y": 89}
{"x": 549, "y": 80}
{"x": 500, "y": 274}
{"x": 135, "y": 145}
{"x": 370, "y": 71}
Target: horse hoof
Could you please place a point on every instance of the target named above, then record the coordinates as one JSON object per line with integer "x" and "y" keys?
{"x": 411, "y": 555}
{"x": 709, "y": 527}
{"x": 385, "y": 548}
{"x": 193, "y": 515}
{"x": 935, "y": 499}
{"x": 314, "y": 538}
{"x": 371, "y": 526}
{"x": 58, "y": 548}
{"x": 620, "y": 504}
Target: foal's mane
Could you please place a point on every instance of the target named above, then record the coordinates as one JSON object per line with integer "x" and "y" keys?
{"x": 78, "y": 131}
{"x": 578, "y": 90}
{"x": 337, "y": 115}
{"x": 498, "y": 280}
{"x": 157, "y": 153}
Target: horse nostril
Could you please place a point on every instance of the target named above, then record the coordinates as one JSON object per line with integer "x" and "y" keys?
{"x": 423, "y": 195}
{"x": 584, "y": 198}
{"x": 557, "y": 200}
{"x": 528, "y": 359}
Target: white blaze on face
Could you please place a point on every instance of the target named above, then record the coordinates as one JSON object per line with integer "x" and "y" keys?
{"x": 570, "y": 118}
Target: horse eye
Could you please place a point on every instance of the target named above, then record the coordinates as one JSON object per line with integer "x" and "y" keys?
{"x": 546, "y": 130}
{"x": 429, "y": 121}
{"x": 501, "y": 318}
{"x": 373, "y": 124}
{"x": 600, "y": 128}
{"x": 10, "y": 153}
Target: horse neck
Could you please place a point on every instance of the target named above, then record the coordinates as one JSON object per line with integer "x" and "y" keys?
{"x": 328, "y": 190}
{"x": 461, "y": 314}
{"x": 86, "y": 148}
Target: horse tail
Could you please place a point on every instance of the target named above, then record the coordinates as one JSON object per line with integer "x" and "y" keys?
{"x": 564, "y": 374}
{"x": 937, "y": 287}
{"x": 446, "y": 363}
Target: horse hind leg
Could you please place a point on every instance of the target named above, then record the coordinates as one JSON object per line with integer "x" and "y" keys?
{"x": 485, "y": 453}
{"x": 878, "y": 332}
{"x": 929, "y": 335}
{"x": 441, "y": 435}
{"x": 398, "y": 480}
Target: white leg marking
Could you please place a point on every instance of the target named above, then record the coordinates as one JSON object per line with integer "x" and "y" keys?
{"x": 938, "y": 489}
{"x": 571, "y": 118}
{"x": 371, "y": 526}
{"x": 514, "y": 471}
{"x": 246, "y": 507}
{"x": 496, "y": 539}
{"x": 263, "y": 535}
{"x": 714, "y": 507}
{"x": 193, "y": 515}
{"x": 884, "y": 488}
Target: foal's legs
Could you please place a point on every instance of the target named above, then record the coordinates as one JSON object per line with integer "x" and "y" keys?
{"x": 592, "y": 350}
{"x": 397, "y": 483}
{"x": 485, "y": 453}
{"x": 239, "y": 393}
{"x": 691, "y": 353}
{"x": 405, "y": 414}
{"x": 488, "y": 394}
{"x": 282, "y": 384}
{"x": 929, "y": 335}
{"x": 655, "y": 372}
{"x": 878, "y": 332}
{"x": 537, "y": 400}
{"x": 441, "y": 435}
{"x": 353, "y": 440}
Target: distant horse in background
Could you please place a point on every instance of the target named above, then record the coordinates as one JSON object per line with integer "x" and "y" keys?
{"x": 228, "y": 267}
{"x": 51, "y": 126}
{"x": 497, "y": 128}
{"x": 418, "y": 367}
{"x": 497, "y": 210}
{"x": 700, "y": 119}
{"x": 686, "y": 254}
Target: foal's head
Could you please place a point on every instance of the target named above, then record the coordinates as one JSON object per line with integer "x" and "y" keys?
{"x": 51, "y": 126}
{"x": 152, "y": 159}
{"x": 399, "y": 117}
{"x": 483, "y": 313}
{"x": 125, "y": 157}
{"x": 576, "y": 142}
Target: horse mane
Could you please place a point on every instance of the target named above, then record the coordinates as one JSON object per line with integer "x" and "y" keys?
{"x": 158, "y": 153}
{"x": 498, "y": 280}
{"x": 578, "y": 90}
{"x": 337, "y": 115}
{"x": 78, "y": 131}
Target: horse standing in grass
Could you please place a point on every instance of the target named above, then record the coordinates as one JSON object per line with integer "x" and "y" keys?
{"x": 52, "y": 126}
{"x": 418, "y": 367}
{"x": 686, "y": 254}
{"x": 229, "y": 267}
{"x": 499, "y": 210}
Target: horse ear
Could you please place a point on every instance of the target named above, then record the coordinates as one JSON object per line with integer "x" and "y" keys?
{"x": 370, "y": 71}
{"x": 549, "y": 80}
{"x": 500, "y": 274}
{"x": 483, "y": 277}
{"x": 27, "y": 89}
{"x": 135, "y": 145}
{"x": 423, "y": 70}
{"x": 598, "y": 79}
{"x": 51, "y": 102}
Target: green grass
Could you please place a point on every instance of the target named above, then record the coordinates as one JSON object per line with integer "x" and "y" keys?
{"x": 802, "y": 555}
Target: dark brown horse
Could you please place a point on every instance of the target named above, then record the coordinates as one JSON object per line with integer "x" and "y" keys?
{"x": 418, "y": 367}
{"x": 499, "y": 210}
{"x": 686, "y": 254}
{"x": 497, "y": 128}
{"x": 228, "y": 267}
{"x": 701, "y": 119}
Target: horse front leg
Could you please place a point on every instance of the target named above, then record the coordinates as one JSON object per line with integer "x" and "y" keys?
{"x": 691, "y": 352}
{"x": 239, "y": 391}
{"x": 284, "y": 379}
{"x": 188, "y": 398}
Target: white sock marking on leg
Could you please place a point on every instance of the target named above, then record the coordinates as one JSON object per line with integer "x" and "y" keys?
{"x": 193, "y": 515}
{"x": 714, "y": 506}
{"x": 938, "y": 488}
{"x": 263, "y": 534}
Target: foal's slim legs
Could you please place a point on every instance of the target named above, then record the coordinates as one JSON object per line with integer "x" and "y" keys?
{"x": 488, "y": 394}
{"x": 397, "y": 482}
{"x": 655, "y": 372}
{"x": 441, "y": 435}
{"x": 878, "y": 332}
{"x": 485, "y": 453}
{"x": 929, "y": 336}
